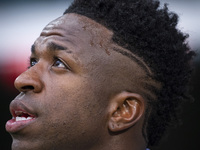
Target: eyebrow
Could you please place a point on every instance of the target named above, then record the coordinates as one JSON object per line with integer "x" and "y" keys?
{"x": 33, "y": 49}
{"x": 50, "y": 46}
{"x": 53, "y": 46}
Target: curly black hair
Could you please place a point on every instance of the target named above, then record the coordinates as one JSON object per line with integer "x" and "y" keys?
{"x": 149, "y": 31}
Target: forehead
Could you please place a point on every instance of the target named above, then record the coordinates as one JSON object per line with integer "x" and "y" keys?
{"x": 78, "y": 33}
{"x": 80, "y": 27}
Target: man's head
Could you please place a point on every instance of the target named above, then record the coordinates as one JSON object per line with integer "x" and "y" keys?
{"x": 106, "y": 74}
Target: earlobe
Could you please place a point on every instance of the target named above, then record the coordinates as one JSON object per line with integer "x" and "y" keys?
{"x": 126, "y": 109}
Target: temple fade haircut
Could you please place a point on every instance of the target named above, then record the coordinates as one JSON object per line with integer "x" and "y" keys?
{"x": 150, "y": 32}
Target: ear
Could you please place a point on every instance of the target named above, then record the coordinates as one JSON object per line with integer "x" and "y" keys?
{"x": 126, "y": 109}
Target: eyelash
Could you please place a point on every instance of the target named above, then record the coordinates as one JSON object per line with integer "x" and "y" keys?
{"x": 34, "y": 61}
{"x": 56, "y": 59}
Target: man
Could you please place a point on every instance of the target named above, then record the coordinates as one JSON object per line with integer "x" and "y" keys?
{"x": 105, "y": 75}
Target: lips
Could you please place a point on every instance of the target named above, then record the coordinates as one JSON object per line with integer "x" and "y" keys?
{"x": 23, "y": 116}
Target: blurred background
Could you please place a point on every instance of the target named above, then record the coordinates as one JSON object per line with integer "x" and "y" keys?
{"x": 21, "y": 22}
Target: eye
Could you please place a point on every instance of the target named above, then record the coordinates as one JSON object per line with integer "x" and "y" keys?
{"x": 58, "y": 63}
{"x": 33, "y": 62}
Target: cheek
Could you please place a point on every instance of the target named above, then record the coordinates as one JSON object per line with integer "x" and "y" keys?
{"x": 59, "y": 119}
{"x": 72, "y": 111}
{"x": 71, "y": 107}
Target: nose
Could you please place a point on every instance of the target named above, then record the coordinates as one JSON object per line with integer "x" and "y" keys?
{"x": 29, "y": 81}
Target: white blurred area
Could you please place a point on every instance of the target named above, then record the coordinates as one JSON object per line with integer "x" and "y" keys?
{"x": 189, "y": 18}
{"x": 21, "y": 22}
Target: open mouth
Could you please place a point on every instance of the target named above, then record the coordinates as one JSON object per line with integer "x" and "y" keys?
{"x": 20, "y": 120}
{"x": 20, "y": 116}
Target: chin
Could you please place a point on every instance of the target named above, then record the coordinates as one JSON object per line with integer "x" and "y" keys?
{"x": 17, "y": 145}
{"x": 25, "y": 145}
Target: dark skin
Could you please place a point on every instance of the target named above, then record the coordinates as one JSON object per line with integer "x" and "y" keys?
{"x": 81, "y": 93}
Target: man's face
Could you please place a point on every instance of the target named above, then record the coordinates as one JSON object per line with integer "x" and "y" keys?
{"x": 65, "y": 93}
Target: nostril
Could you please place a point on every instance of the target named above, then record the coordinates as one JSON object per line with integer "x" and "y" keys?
{"x": 29, "y": 87}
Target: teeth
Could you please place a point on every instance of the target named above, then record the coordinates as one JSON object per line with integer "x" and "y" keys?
{"x": 23, "y": 118}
